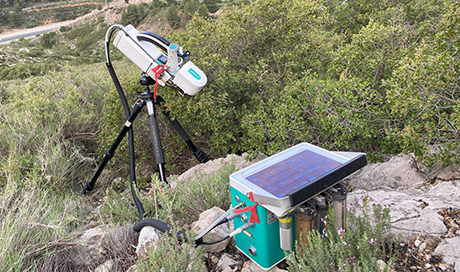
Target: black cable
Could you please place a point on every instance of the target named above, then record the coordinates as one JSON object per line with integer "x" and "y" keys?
{"x": 127, "y": 110}
{"x": 201, "y": 242}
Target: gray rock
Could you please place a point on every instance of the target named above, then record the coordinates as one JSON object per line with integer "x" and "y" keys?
{"x": 251, "y": 266}
{"x": 213, "y": 166}
{"x": 399, "y": 172}
{"x": 450, "y": 250}
{"x": 411, "y": 211}
{"x": 448, "y": 173}
{"x": 105, "y": 267}
{"x": 428, "y": 221}
{"x": 226, "y": 261}
{"x": 93, "y": 244}
{"x": 414, "y": 205}
{"x": 227, "y": 269}
{"x": 148, "y": 237}
{"x": 132, "y": 268}
{"x": 381, "y": 265}
{"x": 205, "y": 220}
{"x": 445, "y": 194}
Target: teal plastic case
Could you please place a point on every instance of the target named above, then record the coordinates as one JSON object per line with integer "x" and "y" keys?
{"x": 264, "y": 246}
{"x": 279, "y": 184}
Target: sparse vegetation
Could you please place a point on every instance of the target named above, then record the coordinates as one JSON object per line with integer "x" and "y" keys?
{"x": 365, "y": 240}
{"x": 46, "y": 139}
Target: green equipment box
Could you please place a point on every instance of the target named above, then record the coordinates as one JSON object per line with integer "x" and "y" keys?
{"x": 272, "y": 188}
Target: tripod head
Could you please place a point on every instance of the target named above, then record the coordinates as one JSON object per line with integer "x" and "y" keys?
{"x": 146, "y": 80}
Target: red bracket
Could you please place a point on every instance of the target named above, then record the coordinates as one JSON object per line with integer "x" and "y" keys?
{"x": 253, "y": 209}
{"x": 157, "y": 70}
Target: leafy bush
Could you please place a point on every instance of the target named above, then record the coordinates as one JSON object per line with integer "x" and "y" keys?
{"x": 279, "y": 75}
{"x": 172, "y": 16}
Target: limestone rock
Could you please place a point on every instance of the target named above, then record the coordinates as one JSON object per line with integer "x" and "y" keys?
{"x": 450, "y": 250}
{"x": 226, "y": 261}
{"x": 227, "y": 269}
{"x": 381, "y": 264}
{"x": 412, "y": 210}
{"x": 132, "y": 268}
{"x": 205, "y": 220}
{"x": 399, "y": 172}
{"x": 448, "y": 173}
{"x": 148, "y": 237}
{"x": 93, "y": 243}
{"x": 213, "y": 166}
{"x": 105, "y": 267}
{"x": 251, "y": 266}
{"x": 428, "y": 221}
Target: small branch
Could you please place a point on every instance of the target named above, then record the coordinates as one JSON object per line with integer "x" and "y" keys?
{"x": 55, "y": 244}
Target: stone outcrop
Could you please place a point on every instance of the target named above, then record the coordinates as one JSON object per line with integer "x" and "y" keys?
{"x": 417, "y": 201}
{"x": 413, "y": 210}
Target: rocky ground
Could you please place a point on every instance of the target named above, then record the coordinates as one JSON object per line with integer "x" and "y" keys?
{"x": 424, "y": 208}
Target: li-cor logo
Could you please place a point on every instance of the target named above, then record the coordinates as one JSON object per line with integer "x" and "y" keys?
{"x": 194, "y": 74}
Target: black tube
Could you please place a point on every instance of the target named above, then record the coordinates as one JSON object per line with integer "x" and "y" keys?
{"x": 159, "y": 225}
{"x": 156, "y": 140}
{"x": 201, "y": 242}
{"x": 132, "y": 165}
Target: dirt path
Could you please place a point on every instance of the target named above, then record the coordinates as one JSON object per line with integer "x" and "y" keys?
{"x": 15, "y": 34}
{"x": 9, "y": 35}
{"x": 63, "y": 6}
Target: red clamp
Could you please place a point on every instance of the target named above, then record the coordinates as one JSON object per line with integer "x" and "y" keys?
{"x": 253, "y": 209}
{"x": 157, "y": 70}
{"x": 250, "y": 196}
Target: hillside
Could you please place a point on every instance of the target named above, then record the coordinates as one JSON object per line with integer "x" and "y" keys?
{"x": 80, "y": 41}
{"x": 374, "y": 77}
{"x": 22, "y": 14}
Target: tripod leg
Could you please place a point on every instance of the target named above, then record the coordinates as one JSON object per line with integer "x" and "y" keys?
{"x": 197, "y": 152}
{"x": 111, "y": 152}
{"x": 156, "y": 140}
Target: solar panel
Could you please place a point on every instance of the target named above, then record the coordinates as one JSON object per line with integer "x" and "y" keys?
{"x": 298, "y": 173}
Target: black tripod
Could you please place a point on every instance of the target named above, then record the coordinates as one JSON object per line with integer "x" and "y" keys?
{"x": 144, "y": 99}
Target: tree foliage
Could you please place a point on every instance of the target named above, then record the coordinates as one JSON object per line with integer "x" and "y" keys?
{"x": 172, "y": 16}
{"x": 378, "y": 77}
{"x": 134, "y": 14}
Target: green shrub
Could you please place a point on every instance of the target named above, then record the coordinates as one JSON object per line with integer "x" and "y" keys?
{"x": 423, "y": 95}
{"x": 54, "y": 121}
{"x": 134, "y": 14}
{"x": 279, "y": 75}
{"x": 171, "y": 256}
